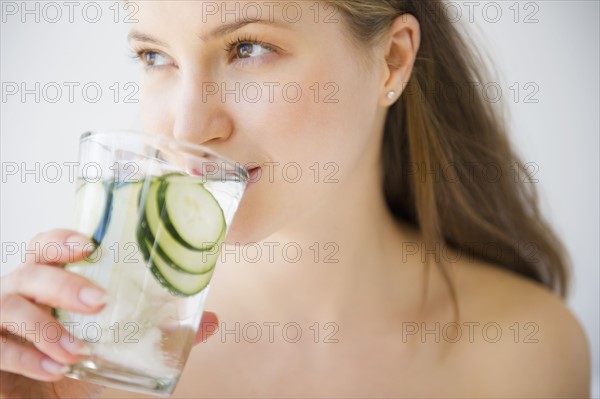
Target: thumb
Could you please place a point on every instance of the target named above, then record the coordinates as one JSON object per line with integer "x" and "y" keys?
{"x": 208, "y": 326}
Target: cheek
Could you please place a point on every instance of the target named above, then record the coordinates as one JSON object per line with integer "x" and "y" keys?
{"x": 317, "y": 117}
{"x": 154, "y": 108}
{"x": 311, "y": 143}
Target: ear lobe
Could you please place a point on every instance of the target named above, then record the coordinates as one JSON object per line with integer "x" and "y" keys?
{"x": 402, "y": 47}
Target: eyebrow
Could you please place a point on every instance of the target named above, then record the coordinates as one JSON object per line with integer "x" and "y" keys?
{"x": 215, "y": 33}
{"x": 233, "y": 26}
{"x": 142, "y": 37}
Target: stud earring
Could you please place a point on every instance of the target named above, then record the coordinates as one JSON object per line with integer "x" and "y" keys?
{"x": 391, "y": 95}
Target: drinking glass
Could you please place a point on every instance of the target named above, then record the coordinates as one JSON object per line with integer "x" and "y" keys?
{"x": 157, "y": 211}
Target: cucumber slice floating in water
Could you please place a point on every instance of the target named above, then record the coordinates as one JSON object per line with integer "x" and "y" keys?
{"x": 178, "y": 283}
{"x": 174, "y": 254}
{"x": 190, "y": 213}
{"x": 188, "y": 261}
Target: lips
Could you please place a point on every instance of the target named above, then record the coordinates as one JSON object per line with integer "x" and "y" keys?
{"x": 253, "y": 174}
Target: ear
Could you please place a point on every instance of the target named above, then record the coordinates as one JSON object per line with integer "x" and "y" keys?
{"x": 400, "y": 48}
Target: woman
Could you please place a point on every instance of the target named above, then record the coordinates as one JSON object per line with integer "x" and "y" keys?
{"x": 421, "y": 272}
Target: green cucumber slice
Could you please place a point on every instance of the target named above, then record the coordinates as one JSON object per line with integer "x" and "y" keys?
{"x": 197, "y": 262}
{"x": 178, "y": 283}
{"x": 171, "y": 251}
{"x": 93, "y": 206}
{"x": 190, "y": 213}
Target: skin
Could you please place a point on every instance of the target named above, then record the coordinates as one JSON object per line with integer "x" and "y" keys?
{"x": 375, "y": 291}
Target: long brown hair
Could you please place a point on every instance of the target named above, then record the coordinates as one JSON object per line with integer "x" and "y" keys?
{"x": 448, "y": 165}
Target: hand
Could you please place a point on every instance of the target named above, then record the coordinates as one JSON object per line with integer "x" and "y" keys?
{"x": 31, "y": 366}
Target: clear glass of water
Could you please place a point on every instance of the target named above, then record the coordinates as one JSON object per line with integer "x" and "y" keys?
{"x": 157, "y": 211}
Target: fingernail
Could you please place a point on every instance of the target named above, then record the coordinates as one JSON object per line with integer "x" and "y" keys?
{"x": 74, "y": 346}
{"x": 92, "y": 296}
{"x": 80, "y": 244}
{"x": 78, "y": 241}
{"x": 52, "y": 367}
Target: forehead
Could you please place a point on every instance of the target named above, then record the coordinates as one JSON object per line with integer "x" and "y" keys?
{"x": 205, "y": 12}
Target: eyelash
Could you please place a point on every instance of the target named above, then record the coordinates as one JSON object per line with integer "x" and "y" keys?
{"x": 138, "y": 55}
{"x": 232, "y": 44}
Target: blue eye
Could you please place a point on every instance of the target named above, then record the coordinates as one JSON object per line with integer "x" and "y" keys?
{"x": 246, "y": 50}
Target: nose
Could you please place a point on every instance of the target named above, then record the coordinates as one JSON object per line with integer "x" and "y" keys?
{"x": 199, "y": 118}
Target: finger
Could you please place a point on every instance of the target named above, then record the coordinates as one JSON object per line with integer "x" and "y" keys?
{"x": 58, "y": 247}
{"x": 22, "y": 319}
{"x": 54, "y": 287}
{"x": 208, "y": 326}
{"x": 28, "y": 361}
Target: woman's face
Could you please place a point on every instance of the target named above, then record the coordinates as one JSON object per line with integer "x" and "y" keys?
{"x": 278, "y": 85}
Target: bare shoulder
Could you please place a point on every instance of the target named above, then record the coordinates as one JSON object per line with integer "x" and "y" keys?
{"x": 542, "y": 350}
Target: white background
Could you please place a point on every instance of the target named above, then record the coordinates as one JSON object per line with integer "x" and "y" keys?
{"x": 558, "y": 54}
